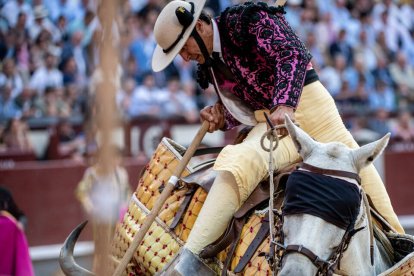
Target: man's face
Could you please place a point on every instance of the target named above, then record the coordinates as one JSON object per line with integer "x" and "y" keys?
{"x": 191, "y": 51}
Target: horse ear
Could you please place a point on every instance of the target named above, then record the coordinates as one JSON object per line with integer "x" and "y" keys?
{"x": 366, "y": 154}
{"x": 303, "y": 142}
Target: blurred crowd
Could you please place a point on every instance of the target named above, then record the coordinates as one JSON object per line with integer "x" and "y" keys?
{"x": 49, "y": 56}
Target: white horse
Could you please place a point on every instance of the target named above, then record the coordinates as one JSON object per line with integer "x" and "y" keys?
{"x": 311, "y": 244}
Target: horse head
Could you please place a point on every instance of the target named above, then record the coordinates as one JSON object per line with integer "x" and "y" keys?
{"x": 323, "y": 209}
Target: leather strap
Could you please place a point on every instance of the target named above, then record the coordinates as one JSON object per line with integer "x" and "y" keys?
{"x": 305, "y": 252}
{"x": 229, "y": 236}
{"x": 209, "y": 150}
{"x": 261, "y": 235}
{"x": 330, "y": 172}
{"x": 239, "y": 226}
{"x": 183, "y": 207}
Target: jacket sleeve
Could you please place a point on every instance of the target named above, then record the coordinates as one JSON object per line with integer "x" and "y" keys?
{"x": 230, "y": 122}
{"x": 276, "y": 42}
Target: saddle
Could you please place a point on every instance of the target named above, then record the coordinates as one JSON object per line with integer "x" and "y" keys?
{"x": 257, "y": 200}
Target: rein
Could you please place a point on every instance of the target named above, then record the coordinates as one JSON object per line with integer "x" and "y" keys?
{"x": 273, "y": 138}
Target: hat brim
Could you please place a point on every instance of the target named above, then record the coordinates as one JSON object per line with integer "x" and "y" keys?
{"x": 161, "y": 60}
{"x": 39, "y": 16}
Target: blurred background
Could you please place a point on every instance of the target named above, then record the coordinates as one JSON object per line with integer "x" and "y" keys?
{"x": 362, "y": 50}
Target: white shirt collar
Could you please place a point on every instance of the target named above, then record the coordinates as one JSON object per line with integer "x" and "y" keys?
{"x": 216, "y": 38}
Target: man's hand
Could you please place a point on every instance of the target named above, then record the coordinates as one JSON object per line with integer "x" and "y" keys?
{"x": 278, "y": 117}
{"x": 214, "y": 115}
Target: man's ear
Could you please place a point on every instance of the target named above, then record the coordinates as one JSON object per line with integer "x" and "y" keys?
{"x": 199, "y": 26}
{"x": 303, "y": 142}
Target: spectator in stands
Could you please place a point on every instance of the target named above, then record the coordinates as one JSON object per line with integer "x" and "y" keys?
{"x": 11, "y": 10}
{"x": 15, "y": 136}
{"x": 124, "y": 97}
{"x": 342, "y": 47}
{"x": 403, "y": 130}
{"x": 144, "y": 101}
{"x": 141, "y": 48}
{"x": 47, "y": 75}
{"x": 11, "y": 77}
{"x": 62, "y": 28}
{"x": 358, "y": 71}
{"x": 68, "y": 143}
{"x": 38, "y": 50}
{"x": 75, "y": 100}
{"x": 74, "y": 49}
{"x": 361, "y": 131}
{"x": 407, "y": 11}
{"x": 340, "y": 14}
{"x": 382, "y": 72}
{"x": 70, "y": 74}
{"x": 343, "y": 98}
{"x": 381, "y": 48}
{"x": 21, "y": 25}
{"x": 51, "y": 104}
{"x": 69, "y": 9}
{"x": 380, "y": 122}
{"x": 41, "y": 22}
{"x": 397, "y": 36}
{"x": 331, "y": 76}
{"x": 326, "y": 31}
{"x": 402, "y": 72}
{"x": 14, "y": 254}
{"x": 318, "y": 54}
{"x": 353, "y": 101}
{"x": 8, "y": 49}
{"x": 131, "y": 70}
{"x": 382, "y": 96}
{"x": 22, "y": 52}
{"x": 359, "y": 99}
{"x": 365, "y": 50}
{"x": 179, "y": 104}
{"x": 8, "y": 107}
{"x": 293, "y": 12}
{"x": 25, "y": 102}
{"x": 405, "y": 97}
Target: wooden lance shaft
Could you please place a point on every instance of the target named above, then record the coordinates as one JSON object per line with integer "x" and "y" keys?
{"x": 149, "y": 219}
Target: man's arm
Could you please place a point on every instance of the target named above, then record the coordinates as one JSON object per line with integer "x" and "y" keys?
{"x": 277, "y": 42}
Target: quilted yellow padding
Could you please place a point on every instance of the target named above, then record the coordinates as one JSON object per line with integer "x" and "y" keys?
{"x": 160, "y": 244}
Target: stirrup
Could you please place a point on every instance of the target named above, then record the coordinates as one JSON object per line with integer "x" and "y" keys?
{"x": 186, "y": 263}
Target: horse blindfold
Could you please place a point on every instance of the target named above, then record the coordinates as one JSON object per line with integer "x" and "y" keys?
{"x": 333, "y": 200}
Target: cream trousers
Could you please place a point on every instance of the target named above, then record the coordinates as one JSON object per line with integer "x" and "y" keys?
{"x": 248, "y": 162}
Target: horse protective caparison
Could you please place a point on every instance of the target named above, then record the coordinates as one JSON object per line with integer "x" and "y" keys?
{"x": 307, "y": 242}
{"x": 169, "y": 232}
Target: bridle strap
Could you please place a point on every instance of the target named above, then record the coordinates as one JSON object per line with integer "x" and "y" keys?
{"x": 330, "y": 172}
{"x": 294, "y": 248}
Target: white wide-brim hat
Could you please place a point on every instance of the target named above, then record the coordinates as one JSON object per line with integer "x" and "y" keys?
{"x": 39, "y": 11}
{"x": 167, "y": 31}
